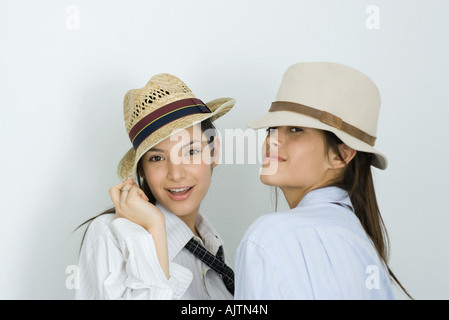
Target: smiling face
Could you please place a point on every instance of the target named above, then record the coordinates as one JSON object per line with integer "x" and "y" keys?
{"x": 178, "y": 171}
{"x": 296, "y": 160}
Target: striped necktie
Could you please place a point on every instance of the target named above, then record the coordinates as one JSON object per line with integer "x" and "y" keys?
{"x": 214, "y": 262}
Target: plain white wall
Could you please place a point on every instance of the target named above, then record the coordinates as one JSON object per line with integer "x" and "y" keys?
{"x": 66, "y": 65}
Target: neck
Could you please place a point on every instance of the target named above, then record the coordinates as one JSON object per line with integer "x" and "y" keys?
{"x": 190, "y": 221}
{"x": 294, "y": 195}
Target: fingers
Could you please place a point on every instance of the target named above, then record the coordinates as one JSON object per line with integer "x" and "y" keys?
{"x": 115, "y": 192}
{"x": 131, "y": 192}
{"x": 143, "y": 195}
{"x": 125, "y": 191}
{"x": 140, "y": 193}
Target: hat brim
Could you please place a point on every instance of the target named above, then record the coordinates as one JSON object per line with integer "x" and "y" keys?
{"x": 287, "y": 118}
{"x": 127, "y": 166}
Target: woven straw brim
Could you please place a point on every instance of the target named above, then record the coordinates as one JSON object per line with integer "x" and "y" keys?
{"x": 128, "y": 164}
{"x": 287, "y": 118}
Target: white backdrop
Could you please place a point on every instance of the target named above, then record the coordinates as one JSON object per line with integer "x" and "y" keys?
{"x": 66, "y": 65}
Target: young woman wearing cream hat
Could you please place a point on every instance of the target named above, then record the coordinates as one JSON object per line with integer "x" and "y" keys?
{"x": 155, "y": 244}
{"x": 332, "y": 243}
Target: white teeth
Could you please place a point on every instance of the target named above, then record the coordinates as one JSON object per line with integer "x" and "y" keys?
{"x": 179, "y": 190}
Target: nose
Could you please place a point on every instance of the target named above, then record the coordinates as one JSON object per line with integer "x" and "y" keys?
{"x": 274, "y": 139}
{"x": 176, "y": 171}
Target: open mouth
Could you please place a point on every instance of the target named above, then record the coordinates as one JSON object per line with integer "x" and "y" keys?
{"x": 180, "y": 193}
{"x": 274, "y": 157}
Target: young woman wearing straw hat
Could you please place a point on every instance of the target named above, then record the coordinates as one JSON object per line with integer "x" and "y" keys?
{"x": 154, "y": 243}
{"x": 332, "y": 243}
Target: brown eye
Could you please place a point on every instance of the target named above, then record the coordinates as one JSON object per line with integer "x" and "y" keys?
{"x": 194, "y": 151}
{"x": 155, "y": 158}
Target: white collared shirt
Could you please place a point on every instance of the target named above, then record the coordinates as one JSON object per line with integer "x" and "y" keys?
{"x": 318, "y": 250}
{"x": 118, "y": 260}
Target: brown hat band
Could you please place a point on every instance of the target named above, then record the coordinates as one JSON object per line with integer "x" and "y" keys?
{"x": 324, "y": 117}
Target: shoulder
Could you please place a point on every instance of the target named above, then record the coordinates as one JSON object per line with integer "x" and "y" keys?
{"x": 100, "y": 227}
{"x": 305, "y": 226}
{"x": 312, "y": 248}
{"x": 102, "y": 222}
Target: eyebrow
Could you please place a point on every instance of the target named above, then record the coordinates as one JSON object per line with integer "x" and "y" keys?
{"x": 187, "y": 144}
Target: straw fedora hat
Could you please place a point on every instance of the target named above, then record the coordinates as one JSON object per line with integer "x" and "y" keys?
{"x": 328, "y": 96}
{"x": 164, "y": 106}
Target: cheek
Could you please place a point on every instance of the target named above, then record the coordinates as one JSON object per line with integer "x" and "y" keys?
{"x": 306, "y": 164}
{"x": 309, "y": 165}
{"x": 310, "y": 158}
{"x": 154, "y": 177}
{"x": 202, "y": 173}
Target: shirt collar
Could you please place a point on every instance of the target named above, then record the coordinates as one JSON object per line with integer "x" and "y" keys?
{"x": 326, "y": 195}
{"x": 178, "y": 233}
{"x": 211, "y": 239}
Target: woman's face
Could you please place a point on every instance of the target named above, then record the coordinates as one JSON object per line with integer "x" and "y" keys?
{"x": 295, "y": 159}
{"x": 179, "y": 169}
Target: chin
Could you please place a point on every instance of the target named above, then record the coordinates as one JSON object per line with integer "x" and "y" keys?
{"x": 181, "y": 208}
{"x": 269, "y": 180}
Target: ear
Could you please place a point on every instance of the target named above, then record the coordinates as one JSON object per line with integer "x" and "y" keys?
{"x": 215, "y": 151}
{"x": 347, "y": 154}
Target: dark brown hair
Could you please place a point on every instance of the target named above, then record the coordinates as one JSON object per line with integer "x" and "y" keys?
{"x": 357, "y": 180}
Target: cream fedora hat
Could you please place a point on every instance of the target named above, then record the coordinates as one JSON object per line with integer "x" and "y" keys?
{"x": 328, "y": 96}
{"x": 164, "y": 106}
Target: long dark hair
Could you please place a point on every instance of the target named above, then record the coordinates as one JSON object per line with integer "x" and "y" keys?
{"x": 210, "y": 132}
{"x": 357, "y": 180}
